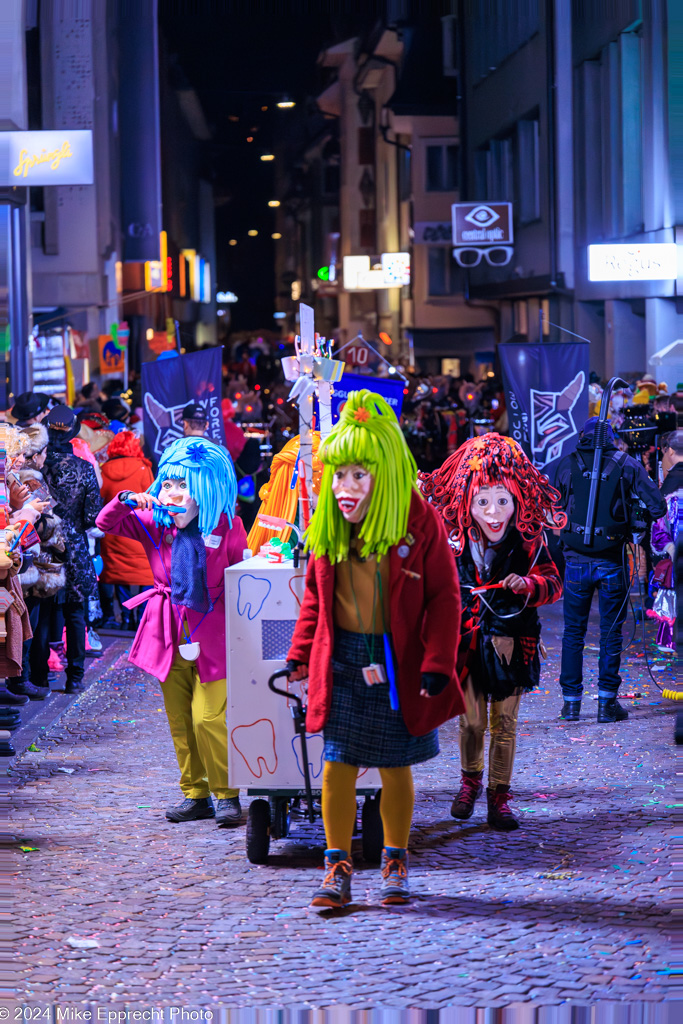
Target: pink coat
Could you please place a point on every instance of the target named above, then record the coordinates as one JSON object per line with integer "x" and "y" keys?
{"x": 157, "y": 639}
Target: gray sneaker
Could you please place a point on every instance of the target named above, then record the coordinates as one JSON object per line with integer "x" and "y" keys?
{"x": 229, "y": 811}
{"x": 335, "y": 890}
{"x": 394, "y": 876}
{"x": 191, "y": 810}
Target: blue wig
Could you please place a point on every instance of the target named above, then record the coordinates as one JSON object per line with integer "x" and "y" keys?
{"x": 210, "y": 476}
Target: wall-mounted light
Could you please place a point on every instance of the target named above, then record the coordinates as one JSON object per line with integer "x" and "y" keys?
{"x": 273, "y": 202}
{"x": 253, "y": 233}
{"x": 276, "y": 235}
{"x": 267, "y": 157}
{"x": 233, "y": 241}
{"x": 286, "y": 104}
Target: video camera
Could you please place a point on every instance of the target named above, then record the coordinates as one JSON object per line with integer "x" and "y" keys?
{"x": 638, "y": 431}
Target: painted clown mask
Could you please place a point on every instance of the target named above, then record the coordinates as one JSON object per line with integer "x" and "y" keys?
{"x": 492, "y": 509}
{"x": 176, "y": 492}
{"x": 352, "y": 487}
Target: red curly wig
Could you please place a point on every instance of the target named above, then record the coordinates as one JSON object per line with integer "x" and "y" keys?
{"x": 125, "y": 443}
{"x": 489, "y": 461}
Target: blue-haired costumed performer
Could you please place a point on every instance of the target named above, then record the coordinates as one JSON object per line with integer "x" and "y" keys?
{"x": 181, "y": 638}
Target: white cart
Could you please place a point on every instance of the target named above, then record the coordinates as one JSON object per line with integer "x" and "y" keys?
{"x": 265, "y": 756}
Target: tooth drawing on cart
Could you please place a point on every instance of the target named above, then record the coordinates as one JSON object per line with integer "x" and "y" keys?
{"x": 262, "y": 604}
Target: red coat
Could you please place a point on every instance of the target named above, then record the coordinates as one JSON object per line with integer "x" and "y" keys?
{"x": 125, "y": 560}
{"x": 425, "y": 625}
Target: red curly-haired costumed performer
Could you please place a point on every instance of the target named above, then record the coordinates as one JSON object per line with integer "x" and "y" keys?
{"x": 496, "y": 505}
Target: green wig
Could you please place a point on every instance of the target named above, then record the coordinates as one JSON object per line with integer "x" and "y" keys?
{"x": 368, "y": 435}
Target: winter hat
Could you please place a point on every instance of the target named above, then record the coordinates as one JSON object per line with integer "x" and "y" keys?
{"x": 37, "y": 439}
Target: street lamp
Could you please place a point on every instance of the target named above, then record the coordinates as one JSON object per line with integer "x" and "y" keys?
{"x": 276, "y": 235}
{"x": 233, "y": 241}
{"x": 267, "y": 157}
{"x": 253, "y": 233}
{"x": 286, "y": 104}
{"x": 273, "y": 202}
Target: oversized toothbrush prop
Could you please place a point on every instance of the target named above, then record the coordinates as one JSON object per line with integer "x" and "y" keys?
{"x": 313, "y": 371}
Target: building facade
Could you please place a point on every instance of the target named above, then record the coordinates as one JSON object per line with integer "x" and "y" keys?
{"x": 138, "y": 244}
{"x": 572, "y": 113}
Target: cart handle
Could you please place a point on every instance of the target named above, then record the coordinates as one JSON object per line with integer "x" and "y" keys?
{"x": 300, "y": 729}
{"x": 284, "y": 693}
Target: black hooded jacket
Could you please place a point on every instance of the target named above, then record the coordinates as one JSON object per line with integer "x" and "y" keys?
{"x": 637, "y": 485}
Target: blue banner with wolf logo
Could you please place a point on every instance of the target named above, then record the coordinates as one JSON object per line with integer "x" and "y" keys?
{"x": 167, "y": 387}
{"x": 546, "y": 391}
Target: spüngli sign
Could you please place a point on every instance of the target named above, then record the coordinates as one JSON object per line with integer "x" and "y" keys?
{"x": 62, "y": 157}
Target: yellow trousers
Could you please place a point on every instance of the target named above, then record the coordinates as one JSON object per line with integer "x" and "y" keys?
{"x": 502, "y": 723}
{"x": 339, "y": 804}
{"x": 196, "y": 718}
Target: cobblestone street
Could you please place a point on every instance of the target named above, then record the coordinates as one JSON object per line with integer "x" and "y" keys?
{"x": 572, "y": 907}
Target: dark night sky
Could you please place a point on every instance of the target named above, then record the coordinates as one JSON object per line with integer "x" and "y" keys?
{"x": 240, "y": 57}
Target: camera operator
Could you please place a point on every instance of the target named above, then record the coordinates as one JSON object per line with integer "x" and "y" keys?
{"x": 625, "y": 495}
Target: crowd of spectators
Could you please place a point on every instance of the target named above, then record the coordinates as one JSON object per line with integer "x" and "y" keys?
{"x": 69, "y": 461}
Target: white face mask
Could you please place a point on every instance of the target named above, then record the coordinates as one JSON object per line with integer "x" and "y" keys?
{"x": 175, "y": 492}
{"x": 352, "y": 487}
{"x": 186, "y": 517}
{"x": 492, "y": 509}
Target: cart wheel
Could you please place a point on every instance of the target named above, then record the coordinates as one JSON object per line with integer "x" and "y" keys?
{"x": 258, "y": 832}
{"x": 373, "y": 830}
{"x": 280, "y": 817}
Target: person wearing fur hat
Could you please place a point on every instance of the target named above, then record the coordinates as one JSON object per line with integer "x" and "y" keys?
{"x": 495, "y": 505}
{"x": 46, "y": 576}
{"x": 376, "y": 636}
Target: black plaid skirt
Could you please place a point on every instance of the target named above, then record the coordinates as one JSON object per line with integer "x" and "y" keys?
{"x": 362, "y": 728}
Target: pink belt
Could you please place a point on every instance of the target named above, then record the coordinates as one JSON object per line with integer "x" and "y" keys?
{"x": 164, "y": 591}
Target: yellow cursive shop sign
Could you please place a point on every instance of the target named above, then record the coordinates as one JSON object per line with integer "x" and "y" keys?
{"x": 53, "y": 158}
{"x": 59, "y": 157}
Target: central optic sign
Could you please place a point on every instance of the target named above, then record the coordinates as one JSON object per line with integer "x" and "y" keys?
{"x": 650, "y": 261}
{"x": 482, "y": 224}
{"x": 365, "y": 273}
{"x": 46, "y": 158}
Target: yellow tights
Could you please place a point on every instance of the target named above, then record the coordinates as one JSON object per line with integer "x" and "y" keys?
{"x": 339, "y": 804}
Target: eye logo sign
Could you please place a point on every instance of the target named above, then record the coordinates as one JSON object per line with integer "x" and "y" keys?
{"x": 482, "y": 224}
{"x": 482, "y": 217}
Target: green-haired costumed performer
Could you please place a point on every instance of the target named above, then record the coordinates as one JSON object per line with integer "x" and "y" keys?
{"x": 377, "y": 635}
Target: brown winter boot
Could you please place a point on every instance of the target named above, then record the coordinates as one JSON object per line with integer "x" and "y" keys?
{"x": 500, "y": 817}
{"x": 470, "y": 788}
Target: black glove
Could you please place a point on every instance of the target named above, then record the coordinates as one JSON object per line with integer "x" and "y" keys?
{"x": 434, "y": 683}
{"x": 292, "y": 665}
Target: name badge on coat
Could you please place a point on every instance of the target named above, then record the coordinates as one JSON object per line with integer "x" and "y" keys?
{"x": 213, "y": 540}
